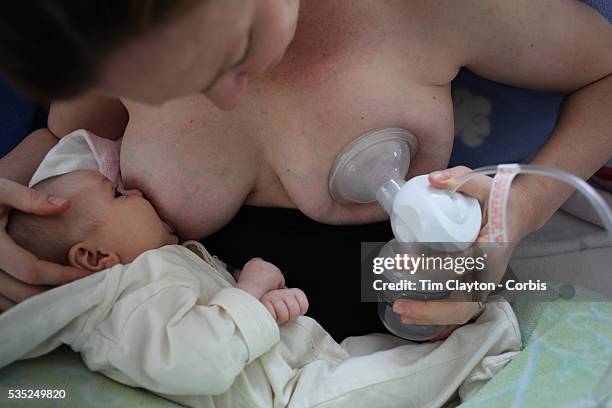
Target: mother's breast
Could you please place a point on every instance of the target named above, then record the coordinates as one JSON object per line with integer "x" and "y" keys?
{"x": 328, "y": 113}
{"x": 195, "y": 173}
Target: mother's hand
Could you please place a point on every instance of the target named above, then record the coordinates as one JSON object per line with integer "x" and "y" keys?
{"x": 452, "y": 313}
{"x": 22, "y": 274}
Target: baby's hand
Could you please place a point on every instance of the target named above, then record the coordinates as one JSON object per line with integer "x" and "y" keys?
{"x": 285, "y": 304}
{"x": 259, "y": 277}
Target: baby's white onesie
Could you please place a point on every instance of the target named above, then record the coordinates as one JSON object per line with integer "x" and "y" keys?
{"x": 173, "y": 322}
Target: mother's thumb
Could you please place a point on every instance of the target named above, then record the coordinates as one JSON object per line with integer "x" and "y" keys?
{"x": 446, "y": 179}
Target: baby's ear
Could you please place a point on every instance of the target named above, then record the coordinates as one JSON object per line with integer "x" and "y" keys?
{"x": 90, "y": 257}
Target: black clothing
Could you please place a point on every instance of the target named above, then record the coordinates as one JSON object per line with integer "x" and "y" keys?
{"x": 322, "y": 260}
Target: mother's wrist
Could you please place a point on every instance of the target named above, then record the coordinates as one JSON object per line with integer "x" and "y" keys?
{"x": 523, "y": 214}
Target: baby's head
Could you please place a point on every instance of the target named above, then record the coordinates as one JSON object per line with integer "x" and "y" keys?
{"x": 104, "y": 226}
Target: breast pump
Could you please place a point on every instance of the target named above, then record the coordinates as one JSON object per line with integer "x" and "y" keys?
{"x": 373, "y": 168}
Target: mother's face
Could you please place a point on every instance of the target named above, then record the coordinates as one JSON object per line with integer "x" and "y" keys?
{"x": 214, "y": 49}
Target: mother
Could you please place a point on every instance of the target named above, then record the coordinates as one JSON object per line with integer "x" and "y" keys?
{"x": 256, "y": 177}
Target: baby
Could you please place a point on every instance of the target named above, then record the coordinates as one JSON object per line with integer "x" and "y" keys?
{"x": 108, "y": 225}
{"x": 170, "y": 318}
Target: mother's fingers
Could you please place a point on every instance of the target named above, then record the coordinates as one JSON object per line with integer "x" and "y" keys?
{"x": 5, "y": 304}
{"x": 49, "y": 273}
{"x": 478, "y": 187}
{"x": 14, "y": 291}
{"x": 451, "y": 328}
{"x": 435, "y": 312}
{"x": 28, "y": 269}
{"x": 29, "y": 200}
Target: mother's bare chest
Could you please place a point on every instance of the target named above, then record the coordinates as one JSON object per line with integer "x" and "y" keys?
{"x": 199, "y": 164}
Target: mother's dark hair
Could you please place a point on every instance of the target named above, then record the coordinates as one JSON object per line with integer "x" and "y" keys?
{"x": 54, "y": 49}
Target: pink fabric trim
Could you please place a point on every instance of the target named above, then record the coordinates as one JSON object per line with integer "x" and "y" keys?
{"x": 106, "y": 153}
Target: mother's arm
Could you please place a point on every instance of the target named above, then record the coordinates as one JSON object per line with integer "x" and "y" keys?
{"x": 22, "y": 275}
{"x": 103, "y": 116}
{"x": 557, "y": 45}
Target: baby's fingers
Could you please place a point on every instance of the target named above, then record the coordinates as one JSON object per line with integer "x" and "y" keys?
{"x": 285, "y": 304}
{"x": 281, "y": 310}
{"x": 302, "y": 300}
{"x": 268, "y": 304}
{"x": 295, "y": 310}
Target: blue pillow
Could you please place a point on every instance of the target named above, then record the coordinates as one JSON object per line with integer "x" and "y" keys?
{"x": 603, "y": 6}
{"x": 497, "y": 123}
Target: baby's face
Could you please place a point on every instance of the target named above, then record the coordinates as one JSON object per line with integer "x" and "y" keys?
{"x": 127, "y": 223}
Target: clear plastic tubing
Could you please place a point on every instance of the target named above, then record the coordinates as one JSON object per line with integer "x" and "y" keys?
{"x": 603, "y": 391}
{"x": 602, "y": 209}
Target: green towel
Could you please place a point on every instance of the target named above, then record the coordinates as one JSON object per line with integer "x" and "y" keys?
{"x": 64, "y": 370}
{"x": 567, "y": 349}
